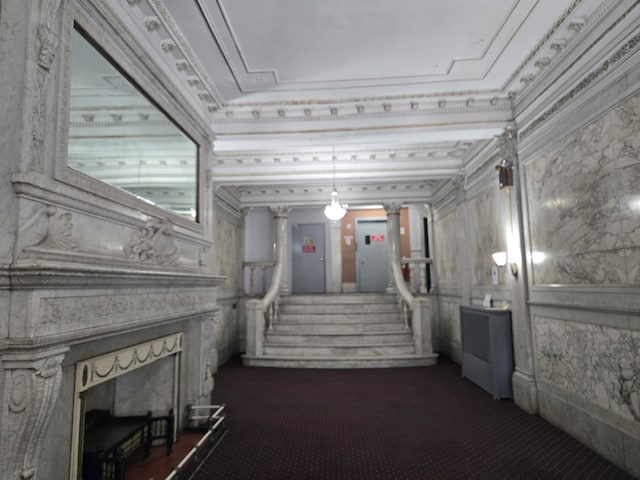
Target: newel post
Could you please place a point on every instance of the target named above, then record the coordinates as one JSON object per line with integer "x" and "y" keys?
{"x": 421, "y": 321}
{"x": 255, "y": 327}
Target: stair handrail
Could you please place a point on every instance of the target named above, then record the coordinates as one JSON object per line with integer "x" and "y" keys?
{"x": 415, "y": 311}
{"x": 263, "y": 312}
{"x": 422, "y": 263}
{"x": 405, "y": 297}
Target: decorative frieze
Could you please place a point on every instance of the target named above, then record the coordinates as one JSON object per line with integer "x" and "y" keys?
{"x": 629, "y": 47}
{"x": 99, "y": 310}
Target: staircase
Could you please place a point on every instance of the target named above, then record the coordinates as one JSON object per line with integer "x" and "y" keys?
{"x": 339, "y": 331}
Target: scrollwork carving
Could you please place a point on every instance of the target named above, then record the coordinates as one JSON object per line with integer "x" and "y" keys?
{"x": 46, "y": 32}
{"x": 153, "y": 244}
{"x": 33, "y": 383}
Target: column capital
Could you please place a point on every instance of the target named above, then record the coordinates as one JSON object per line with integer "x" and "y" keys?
{"x": 280, "y": 211}
{"x": 392, "y": 208}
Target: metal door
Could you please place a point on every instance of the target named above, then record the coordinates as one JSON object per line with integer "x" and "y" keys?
{"x": 308, "y": 258}
{"x": 372, "y": 256}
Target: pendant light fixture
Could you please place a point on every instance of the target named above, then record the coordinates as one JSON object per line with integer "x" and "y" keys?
{"x": 335, "y": 211}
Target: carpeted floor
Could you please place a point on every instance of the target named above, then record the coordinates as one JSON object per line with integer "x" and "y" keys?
{"x": 404, "y": 423}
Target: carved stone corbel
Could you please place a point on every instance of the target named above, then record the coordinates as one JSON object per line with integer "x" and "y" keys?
{"x": 32, "y": 383}
{"x": 59, "y": 229}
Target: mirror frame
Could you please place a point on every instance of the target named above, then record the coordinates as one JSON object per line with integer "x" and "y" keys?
{"x": 123, "y": 52}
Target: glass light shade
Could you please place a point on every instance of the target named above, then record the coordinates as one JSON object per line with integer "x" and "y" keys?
{"x": 499, "y": 258}
{"x": 335, "y": 211}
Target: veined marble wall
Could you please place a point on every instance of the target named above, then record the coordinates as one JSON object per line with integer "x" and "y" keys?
{"x": 486, "y": 232}
{"x": 599, "y": 364}
{"x": 446, "y": 233}
{"x": 584, "y": 203}
{"x": 447, "y": 261}
{"x": 583, "y": 200}
{"x": 229, "y": 251}
{"x": 226, "y": 330}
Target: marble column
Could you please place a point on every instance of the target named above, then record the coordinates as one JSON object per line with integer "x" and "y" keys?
{"x": 336, "y": 257}
{"x": 281, "y": 216}
{"x": 393, "y": 241}
{"x": 32, "y": 382}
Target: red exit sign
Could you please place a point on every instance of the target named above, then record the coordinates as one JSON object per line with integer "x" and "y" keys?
{"x": 377, "y": 238}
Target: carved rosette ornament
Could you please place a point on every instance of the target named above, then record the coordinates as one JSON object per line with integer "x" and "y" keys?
{"x": 32, "y": 383}
{"x": 153, "y": 244}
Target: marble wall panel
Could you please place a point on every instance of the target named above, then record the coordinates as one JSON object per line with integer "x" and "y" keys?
{"x": 486, "y": 233}
{"x": 229, "y": 251}
{"x": 583, "y": 200}
{"x": 446, "y": 257}
{"x": 598, "y": 364}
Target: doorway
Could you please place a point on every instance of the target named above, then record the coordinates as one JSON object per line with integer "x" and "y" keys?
{"x": 372, "y": 256}
{"x": 308, "y": 258}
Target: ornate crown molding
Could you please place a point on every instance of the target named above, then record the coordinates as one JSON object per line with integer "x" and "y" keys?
{"x": 629, "y": 47}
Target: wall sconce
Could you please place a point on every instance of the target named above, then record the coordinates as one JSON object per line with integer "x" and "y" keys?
{"x": 500, "y": 259}
{"x": 505, "y": 174}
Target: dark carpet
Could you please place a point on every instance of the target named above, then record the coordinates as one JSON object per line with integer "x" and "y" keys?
{"x": 401, "y": 423}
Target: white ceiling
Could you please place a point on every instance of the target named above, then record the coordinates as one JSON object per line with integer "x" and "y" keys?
{"x": 400, "y": 93}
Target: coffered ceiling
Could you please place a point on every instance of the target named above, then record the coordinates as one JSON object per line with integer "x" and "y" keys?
{"x": 400, "y": 94}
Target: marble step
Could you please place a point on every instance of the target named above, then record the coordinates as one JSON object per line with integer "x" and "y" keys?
{"x": 330, "y": 350}
{"x": 333, "y": 338}
{"x": 319, "y": 317}
{"x": 339, "y": 298}
{"x": 339, "y": 327}
{"x": 338, "y": 308}
{"x": 344, "y": 362}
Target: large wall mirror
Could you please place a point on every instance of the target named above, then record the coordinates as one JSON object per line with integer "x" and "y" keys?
{"x": 117, "y": 135}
